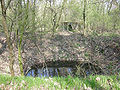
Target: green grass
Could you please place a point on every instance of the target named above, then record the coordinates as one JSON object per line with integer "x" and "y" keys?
{"x": 62, "y": 83}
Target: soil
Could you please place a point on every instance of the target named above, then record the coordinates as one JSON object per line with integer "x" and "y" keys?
{"x": 101, "y": 50}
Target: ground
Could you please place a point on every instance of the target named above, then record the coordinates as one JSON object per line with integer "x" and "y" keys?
{"x": 102, "y": 50}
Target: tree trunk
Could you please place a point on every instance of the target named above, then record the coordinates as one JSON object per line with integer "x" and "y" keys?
{"x": 21, "y": 24}
{"x": 84, "y": 14}
{"x": 20, "y": 59}
{"x": 7, "y": 38}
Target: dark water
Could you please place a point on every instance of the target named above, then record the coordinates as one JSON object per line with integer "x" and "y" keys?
{"x": 50, "y": 72}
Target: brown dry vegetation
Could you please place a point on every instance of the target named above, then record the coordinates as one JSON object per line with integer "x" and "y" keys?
{"x": 103, "y": 51}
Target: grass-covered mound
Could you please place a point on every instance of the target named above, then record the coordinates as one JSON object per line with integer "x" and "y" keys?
{"x": 60, "y": 83}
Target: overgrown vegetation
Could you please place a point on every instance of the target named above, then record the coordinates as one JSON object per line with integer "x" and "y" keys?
{"x": 33, "y": 32}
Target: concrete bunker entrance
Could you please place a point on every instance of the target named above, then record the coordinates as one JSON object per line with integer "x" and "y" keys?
{"x": 70, "y": 26}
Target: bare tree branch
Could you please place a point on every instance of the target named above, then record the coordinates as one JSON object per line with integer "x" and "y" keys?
{"x": 8, "y": 4}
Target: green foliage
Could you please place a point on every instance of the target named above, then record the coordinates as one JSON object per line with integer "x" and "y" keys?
{"x": 94, "y": 82}
{"x": 43, "y": 18}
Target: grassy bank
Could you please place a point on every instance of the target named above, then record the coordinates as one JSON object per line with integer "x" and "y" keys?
{"x": 60, "y": 83}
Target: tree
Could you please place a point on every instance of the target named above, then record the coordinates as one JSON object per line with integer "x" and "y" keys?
{"x": 24, "y": 24}
{"x": 8, "y": 38}
{"x": 84, "y": 13}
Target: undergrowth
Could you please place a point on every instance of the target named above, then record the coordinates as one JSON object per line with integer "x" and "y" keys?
{"x": 97, "y": 82}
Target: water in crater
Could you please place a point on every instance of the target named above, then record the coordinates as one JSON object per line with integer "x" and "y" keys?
{"x": 50, "y": 72}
